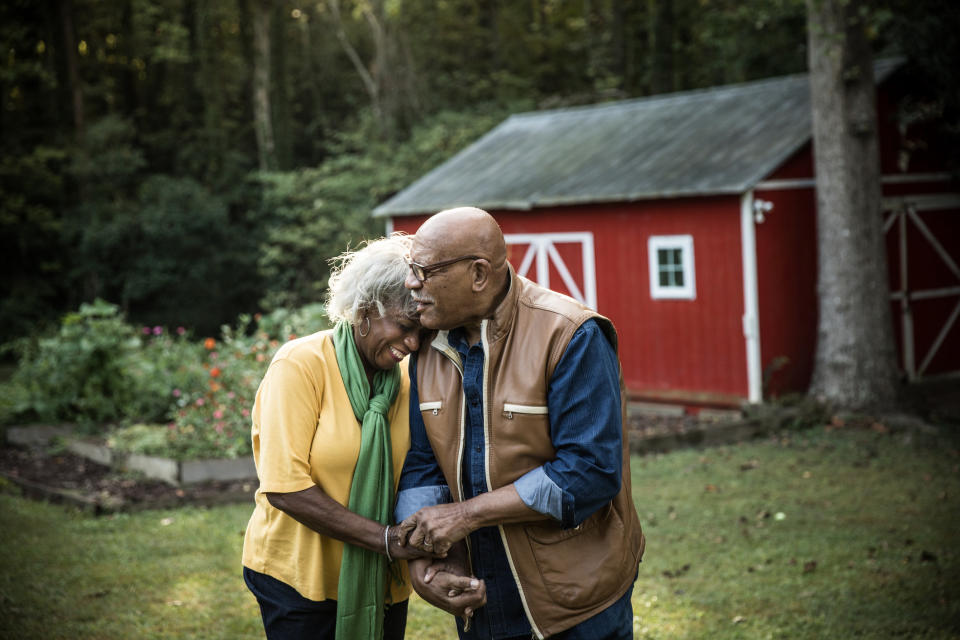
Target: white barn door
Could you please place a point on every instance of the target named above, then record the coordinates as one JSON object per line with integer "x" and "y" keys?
{"x": 563, "y": 262}
{"x": 920, "y": 326}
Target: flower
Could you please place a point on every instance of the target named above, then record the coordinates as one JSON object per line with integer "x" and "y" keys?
{"x": 209, "y": 344}
{"x": 176, "y": 393}
{"x": 215, "y": 372}
{"x": 181, "y": 331}
{"x": 146, "y": 331}
{"x": 245, "y": 413}
{"x": 157, "y": 330}
{"x": 200, "y": 402}
{"x": 218, "y": 414}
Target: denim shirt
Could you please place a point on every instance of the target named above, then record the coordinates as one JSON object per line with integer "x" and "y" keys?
{"x": 583, "y": 402}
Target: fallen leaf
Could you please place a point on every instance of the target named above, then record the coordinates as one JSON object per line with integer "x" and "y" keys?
{"x": 738, "y": 619}
{"x": 752, "y": 464}
{"x": 711, "y": 488}
{"x": 810, "y": 567}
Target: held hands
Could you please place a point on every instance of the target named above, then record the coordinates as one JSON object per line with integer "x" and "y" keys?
{"x": 435, "y": 529}
{"x": 445, "y": 585}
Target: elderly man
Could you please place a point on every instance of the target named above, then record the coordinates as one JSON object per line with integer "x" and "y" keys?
{"x": 517, "y": 445}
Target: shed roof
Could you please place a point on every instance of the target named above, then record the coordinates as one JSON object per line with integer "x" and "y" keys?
{"x": 722, "y": 140}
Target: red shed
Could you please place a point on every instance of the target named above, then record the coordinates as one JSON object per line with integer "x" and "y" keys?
{"x": 689, "y": 220}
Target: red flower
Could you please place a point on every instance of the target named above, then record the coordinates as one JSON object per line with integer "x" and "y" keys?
{"x": 215, "y": 372}
{"x": 210, "y": 344}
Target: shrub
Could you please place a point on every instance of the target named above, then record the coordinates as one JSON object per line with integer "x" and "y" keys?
{"x": 213, "y": 419}
{"x": 98, "y": 369}
{"x": 76, "y": 374}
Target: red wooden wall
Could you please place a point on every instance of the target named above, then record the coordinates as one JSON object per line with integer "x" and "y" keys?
{"x": 677, "y": 350}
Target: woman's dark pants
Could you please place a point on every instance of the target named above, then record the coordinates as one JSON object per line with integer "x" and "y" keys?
{"x": 289, "y": 616}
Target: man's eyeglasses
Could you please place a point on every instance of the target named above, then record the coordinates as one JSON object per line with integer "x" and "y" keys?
{"x": 422, "y": 271}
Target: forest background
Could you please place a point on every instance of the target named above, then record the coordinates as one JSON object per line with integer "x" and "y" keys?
{"x": 194, "y": 160}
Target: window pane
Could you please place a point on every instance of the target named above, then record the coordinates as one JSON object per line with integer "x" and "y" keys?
{"x": 664, "y": 278}
{"x": 663, "y": 257}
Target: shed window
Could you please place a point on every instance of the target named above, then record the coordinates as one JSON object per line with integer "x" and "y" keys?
{"x": 671, "y": 267}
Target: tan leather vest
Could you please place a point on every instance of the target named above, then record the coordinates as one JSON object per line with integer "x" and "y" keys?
{"x": 564, "y": 576}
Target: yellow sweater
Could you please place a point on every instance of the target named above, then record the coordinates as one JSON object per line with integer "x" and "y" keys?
{"x": 305, "y": 434}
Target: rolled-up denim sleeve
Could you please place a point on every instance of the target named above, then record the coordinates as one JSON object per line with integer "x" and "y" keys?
{"x": 421, "y": 482}
{"x": 586, "y": 428}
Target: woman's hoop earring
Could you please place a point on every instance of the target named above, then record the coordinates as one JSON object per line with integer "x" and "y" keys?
{"x": 362, "y": 334}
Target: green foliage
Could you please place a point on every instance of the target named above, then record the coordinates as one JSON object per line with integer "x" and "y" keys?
{"x": 78, "y": 373}
{"x": 96, "y": 369}
{"x": 150, "y": 389}
{"x": 212, "y": 419}
{"x": 31, "y": 250}
{"x": 312, "y": 215}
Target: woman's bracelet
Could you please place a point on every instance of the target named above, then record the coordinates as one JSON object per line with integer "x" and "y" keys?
{"x": 386, "y": 542}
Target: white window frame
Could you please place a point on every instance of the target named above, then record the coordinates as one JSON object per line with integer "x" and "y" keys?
{"x": 689, "y": 289}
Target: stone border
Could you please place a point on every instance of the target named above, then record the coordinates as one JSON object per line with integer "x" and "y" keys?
{"x": 173, "y": 472}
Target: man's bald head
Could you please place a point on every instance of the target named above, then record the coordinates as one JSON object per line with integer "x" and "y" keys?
{"x": 450, "y": 235}
{"x": 464, "y": 231}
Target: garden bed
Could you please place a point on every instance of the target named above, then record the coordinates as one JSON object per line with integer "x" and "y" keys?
{"x": 174, "y": 472}
{"x": 71, "y": 479}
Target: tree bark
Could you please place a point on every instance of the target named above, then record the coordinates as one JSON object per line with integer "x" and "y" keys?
{"x": 262, "y": 116}
{"x": 855, "y": 365}
{"x": 664, "y": 26}
{"x": 73, "y": 75}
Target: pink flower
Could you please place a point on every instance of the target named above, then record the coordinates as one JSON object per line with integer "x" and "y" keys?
{"x": 231, "y": 395}
{"x": 176, "y": 393}
{"x": 200, "y": 402}
{"x": 157, "y": 331}
{"x": 214, "y": 355}
{"x": 146, "y": 331}
{"x": 246, "y": 413}
{"x": 181, "y": 331}
{"x": 218, "y": 414}
{"x": 218, "y": 426}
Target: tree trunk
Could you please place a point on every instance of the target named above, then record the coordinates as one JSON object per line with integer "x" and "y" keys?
{"x": 73, "y": 75}
{"x": 664, "y": 25}
{"x": 855, "y": 364}
{"x": 262, "y": 11}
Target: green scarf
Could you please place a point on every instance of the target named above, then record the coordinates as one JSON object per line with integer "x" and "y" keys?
{"x": 363, "y": 574}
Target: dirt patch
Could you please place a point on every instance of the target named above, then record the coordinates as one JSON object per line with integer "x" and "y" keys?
{"x": 65, "y": 477}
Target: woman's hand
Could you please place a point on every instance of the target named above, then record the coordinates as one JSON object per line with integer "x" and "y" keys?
{"x": 400, "y": 551}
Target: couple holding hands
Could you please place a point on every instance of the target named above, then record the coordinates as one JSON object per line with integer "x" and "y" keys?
{"x": 480, "y": 411}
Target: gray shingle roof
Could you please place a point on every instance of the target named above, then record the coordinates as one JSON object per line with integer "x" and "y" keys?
{"x": 714, "y": 141}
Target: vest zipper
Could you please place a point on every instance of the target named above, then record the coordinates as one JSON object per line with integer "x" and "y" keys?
{"x": 454, "y": 357}
{"x": 486, "y": 468}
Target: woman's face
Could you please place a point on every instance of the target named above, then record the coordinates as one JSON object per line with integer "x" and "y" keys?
{"x": 390, "y": 339}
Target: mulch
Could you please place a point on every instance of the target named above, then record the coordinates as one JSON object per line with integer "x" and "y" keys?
{"x": 68, "y": 478}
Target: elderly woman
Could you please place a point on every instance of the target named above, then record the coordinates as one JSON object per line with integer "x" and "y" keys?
{"x": 330, "y": 432}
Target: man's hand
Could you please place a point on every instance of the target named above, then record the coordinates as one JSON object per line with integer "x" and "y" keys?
{"x": 445, "y": 585}
{"x": 435, "y": 529}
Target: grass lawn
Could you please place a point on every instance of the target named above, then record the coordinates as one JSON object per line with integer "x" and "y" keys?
{"x": 843, "y": 534}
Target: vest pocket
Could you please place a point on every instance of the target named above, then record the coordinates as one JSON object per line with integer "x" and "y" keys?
{"x": 582, "y": 566}
{"x": 431, "y": 407}
{"x": 524, "y": 409}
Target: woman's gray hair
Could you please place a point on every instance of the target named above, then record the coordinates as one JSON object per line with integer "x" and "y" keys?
{"x": 371, "y": 277}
